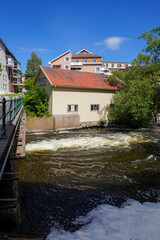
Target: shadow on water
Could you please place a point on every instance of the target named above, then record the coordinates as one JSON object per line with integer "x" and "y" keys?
{"x": 45, "y": 205}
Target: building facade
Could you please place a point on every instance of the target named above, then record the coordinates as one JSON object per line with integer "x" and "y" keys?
{"x": 84, "y": 94}
{"x": 86, "y": 61}
{"x": 10, "y": 76}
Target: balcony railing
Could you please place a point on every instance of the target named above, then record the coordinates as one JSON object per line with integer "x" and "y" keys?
{"x": 76, "y": 63}
{"x": 17, "y": 67}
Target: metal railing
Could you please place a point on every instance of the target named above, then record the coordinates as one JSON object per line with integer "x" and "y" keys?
{"x": 8, "y": 110}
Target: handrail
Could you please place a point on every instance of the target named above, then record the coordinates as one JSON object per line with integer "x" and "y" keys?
{"x": 8, "y": 110}
{"x": 10, "y": 145}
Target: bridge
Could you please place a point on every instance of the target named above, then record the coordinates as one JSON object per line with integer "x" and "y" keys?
{"x": 12, "y": 147}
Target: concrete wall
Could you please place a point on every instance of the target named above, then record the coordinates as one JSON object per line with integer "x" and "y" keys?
{"x": 52, "y": 123}
{"x": 62, "y": 97}
{"x": 66, "y": 121}
{"x": 43, "y": 123}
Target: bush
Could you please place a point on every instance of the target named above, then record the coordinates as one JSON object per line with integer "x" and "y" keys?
{"x": 112, "y": 80}
{"x": 36, "y": 102}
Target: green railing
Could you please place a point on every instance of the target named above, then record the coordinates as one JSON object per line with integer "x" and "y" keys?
{"x": 8, "y": 110}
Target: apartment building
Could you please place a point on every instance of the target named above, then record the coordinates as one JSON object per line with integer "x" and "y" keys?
{"x": 86, "y": 61}
{"x": 10, "y": 76}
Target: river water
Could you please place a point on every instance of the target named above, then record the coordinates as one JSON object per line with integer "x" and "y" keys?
{"x": 91, "y": 184}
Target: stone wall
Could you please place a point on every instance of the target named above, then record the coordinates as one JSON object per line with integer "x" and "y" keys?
{"x": 43, "y": 123}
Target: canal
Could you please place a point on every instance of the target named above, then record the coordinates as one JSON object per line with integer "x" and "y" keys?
{"x": 91, "y": 184}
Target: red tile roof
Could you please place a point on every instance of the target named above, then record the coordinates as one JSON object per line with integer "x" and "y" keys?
{"x": 71, "y": 78}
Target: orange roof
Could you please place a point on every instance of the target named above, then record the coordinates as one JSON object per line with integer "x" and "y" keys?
{"x": 71, "y": 78}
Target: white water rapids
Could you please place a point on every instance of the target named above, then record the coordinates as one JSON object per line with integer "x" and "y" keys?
{"x": 87, "y": 142}
{"x": 134, "y": 221}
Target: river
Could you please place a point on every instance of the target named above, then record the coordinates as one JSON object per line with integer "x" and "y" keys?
{"x": 95, "y": 184}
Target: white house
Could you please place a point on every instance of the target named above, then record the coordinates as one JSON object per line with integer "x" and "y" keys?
{"x": 76, "y": 97}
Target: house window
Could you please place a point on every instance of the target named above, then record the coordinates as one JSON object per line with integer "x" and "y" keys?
{"x": 104, "y": 65}
{"x": 66, "y": 59}
{"x": 42, "y": 82}
{"x": 56, "y": 66}
{"x": 115, "y": 65}
{"x": 94, "y": 60}
{"x": 109, "y": 65}
{"x": 94, "y": 107}
{"x": 123, "y": 65}
{"x": 66, "y": 67}
{"x": 97, "y": 69}
{"x": 77, "y": 60}
{"x": 72, "y": 108}
{"x": 85, "y": 60}
{"x": 129, "y": 65}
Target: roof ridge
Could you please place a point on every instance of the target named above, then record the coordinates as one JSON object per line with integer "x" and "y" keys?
{"x": 59, "y": 56}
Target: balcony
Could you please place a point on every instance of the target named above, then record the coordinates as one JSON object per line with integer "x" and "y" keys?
{"x": 76, "y": 63}
{"x": 17, "y": 66}
{"x": 17, "y": 81}
{"x": 16, "y": 75}
{"x": 9, "y": 61}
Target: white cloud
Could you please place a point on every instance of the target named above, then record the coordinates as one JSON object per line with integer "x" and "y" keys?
{"x": 33, "y": 49}
{"x": 113, "y": 43}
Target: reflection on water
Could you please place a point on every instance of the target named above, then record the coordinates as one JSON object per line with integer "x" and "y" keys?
{"x": 67, "y": 174}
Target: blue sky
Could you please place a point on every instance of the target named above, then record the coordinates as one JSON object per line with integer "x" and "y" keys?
{"x": 49, "y": 27}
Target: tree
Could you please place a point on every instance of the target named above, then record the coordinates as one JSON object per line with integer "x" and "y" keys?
{"x": 138, "y": 100}
{"x": 32, "y": 66}
{"x": 36, "y": 102}
{"x": 35, "y": 99}
{"x": 113, "y": 80}
{"x": 151, "y": 53}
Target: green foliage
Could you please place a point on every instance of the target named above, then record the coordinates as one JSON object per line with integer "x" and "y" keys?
{"x": 0, "y": 68}
{"x": 135, "y": 104}
{"x": 112, "y": 80}
{"x": 32, "y": 66}
{"x": 36, "y": 102}
{"x": 151, "y": 54}
{"x": 28, "y": 84}
{"x": 139, "y": 100}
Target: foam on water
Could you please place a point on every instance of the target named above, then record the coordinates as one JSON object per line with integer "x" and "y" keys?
{"x": 112, "y": 140}
{"x": 134, "y": 221}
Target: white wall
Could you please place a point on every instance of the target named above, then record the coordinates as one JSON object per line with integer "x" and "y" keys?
{"x": 4, "y": 85}
{"x": 83, "y": 98}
